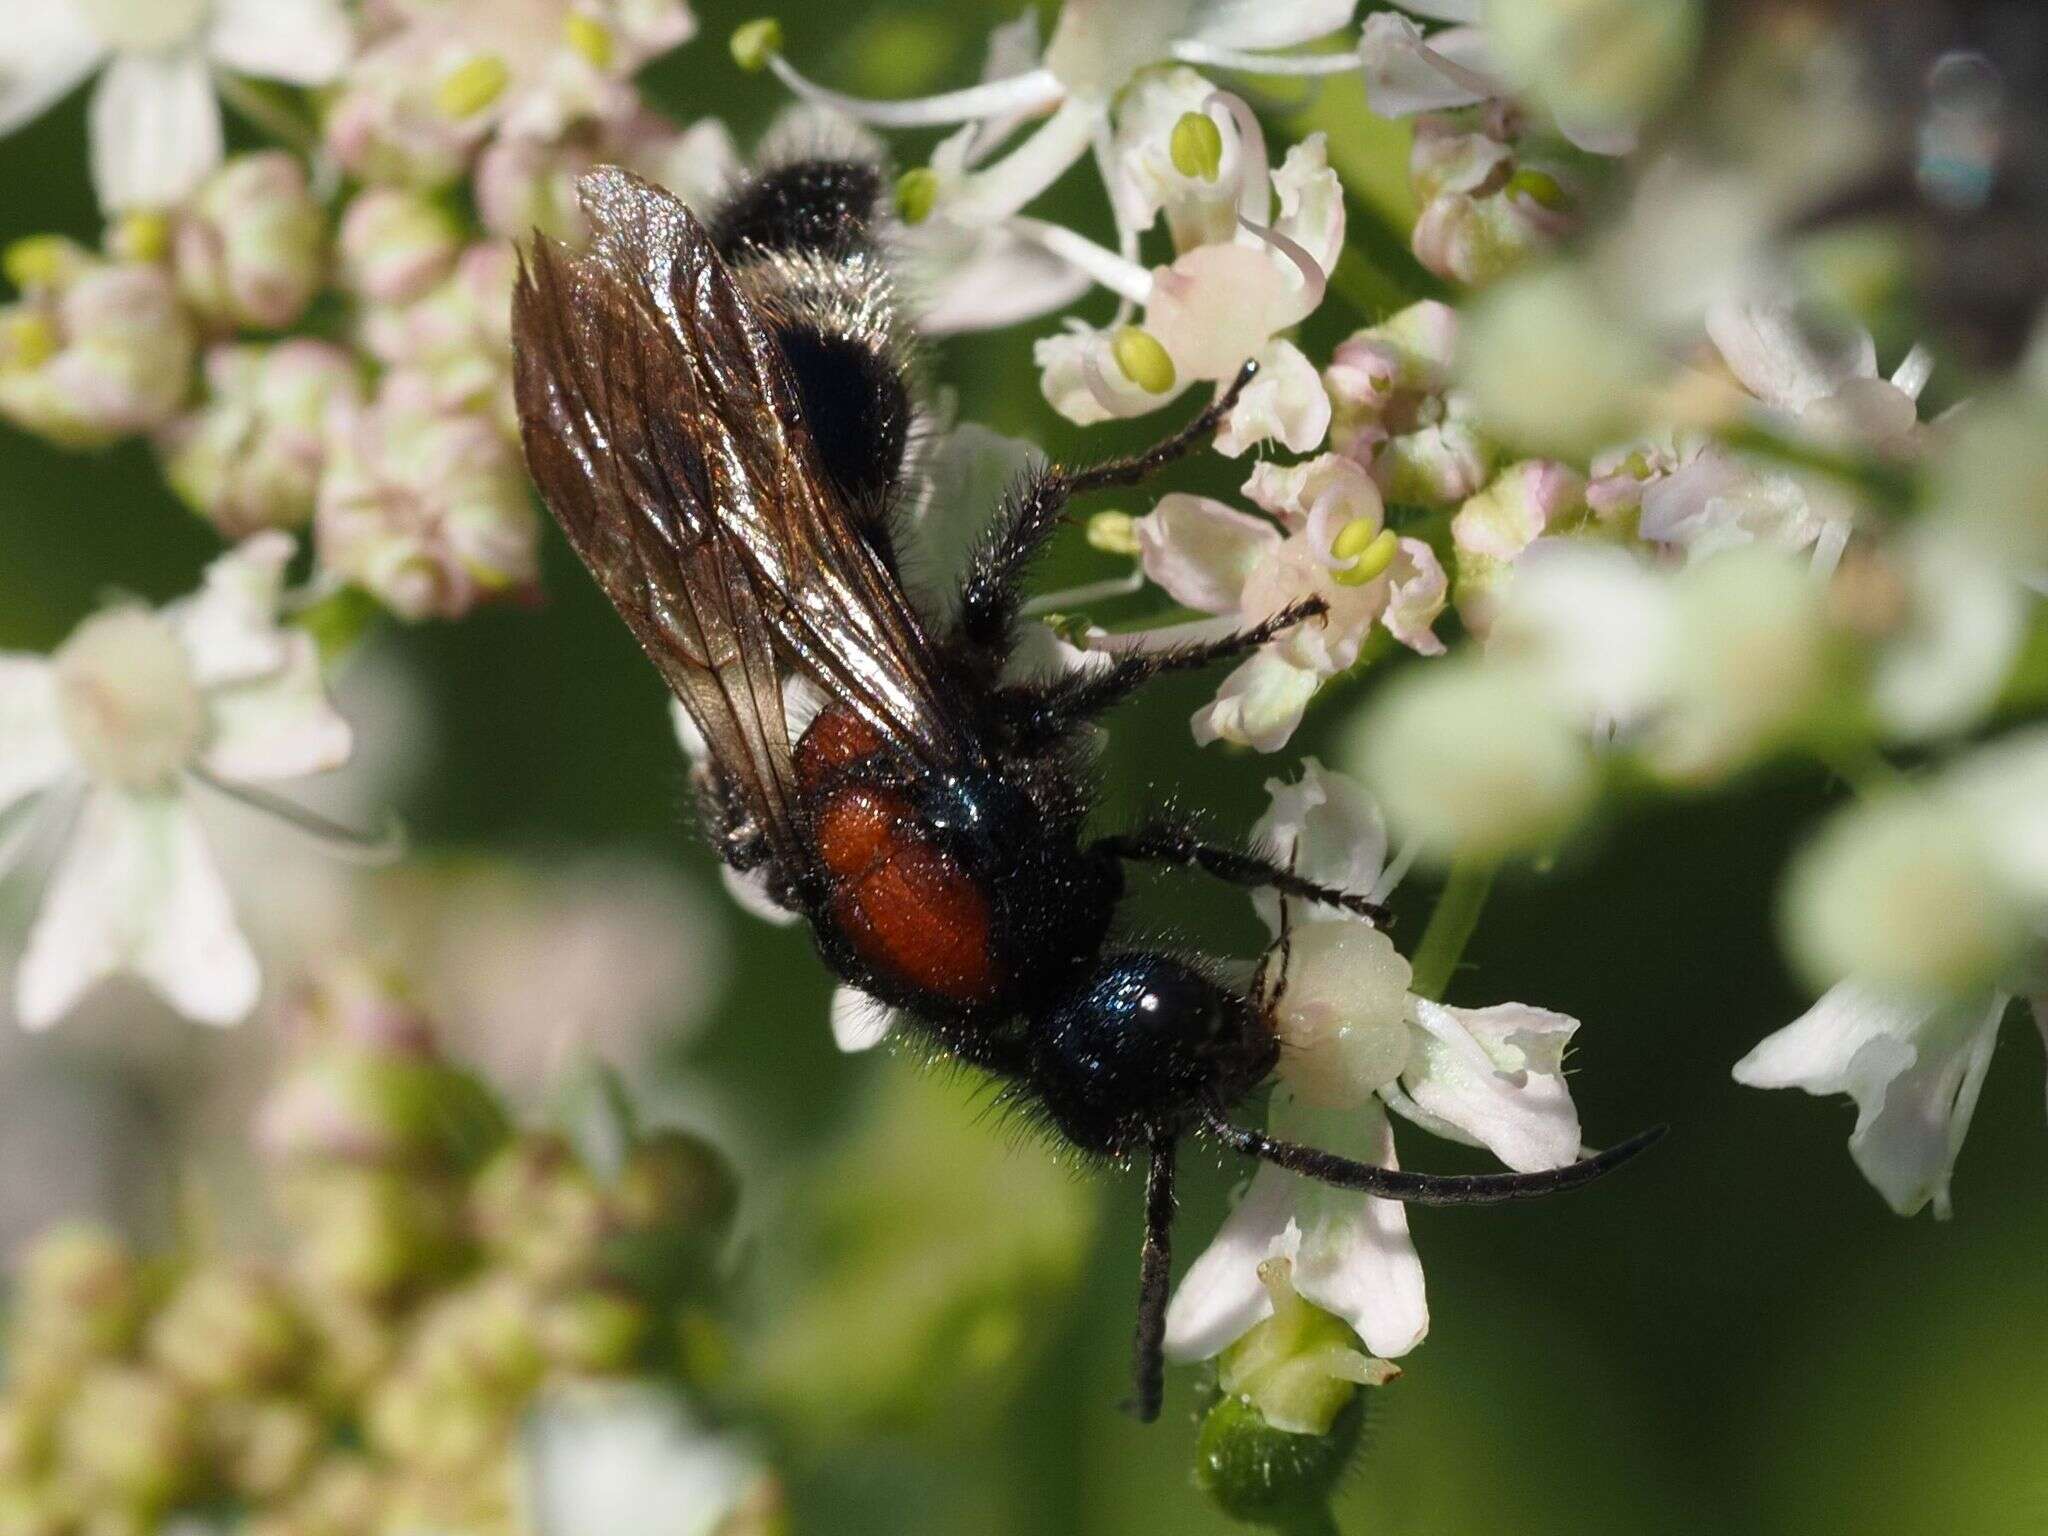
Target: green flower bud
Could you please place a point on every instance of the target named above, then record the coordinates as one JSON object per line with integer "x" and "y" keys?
{"x": 81, "y": 1296}
{"x": 484, "y": 1337}
{"x": 593, "y": 1330}
{"x": 678, "y": 1183}
{"x": 368, "y": 1232}
{"x": 228, "y": 1329}
{"x": 342, "y": 1494}
{"x": 353, "y": 1343}
{"x": 1288, "y": 1417}
{"x": 129, "y": 1437}
{"x": 538, "y": 1210}
{"x": 263, "y": 1446}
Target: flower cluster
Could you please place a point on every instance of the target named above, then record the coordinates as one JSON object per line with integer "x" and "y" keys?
{"x": 460, "y": 1314}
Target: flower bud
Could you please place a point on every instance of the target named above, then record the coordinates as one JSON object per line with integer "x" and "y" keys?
{"x": 79, "y": 1295}
{"x": 1481, "y": 216}
{"x": 593, "y": 1330}
{"x": 107, "y": 354}
{"x": 1471, "y": 761}
{"x": 427, "y": 509}
{"x": 250, "y": 246}
{"x": 366, "y": 1233}
{"x": 395, "y": 244}
{"x": 1289, "y": 1417}
{"x": 537, "y": 1209}
{"x": 484, "y": 1336}
{"x": 263, "y": 1446}
{"x": 676, "y": 1183}
{"x": 225, "y": 1329}
{"x": 1904, "y": 895}
{"x": 343, "y": 1492}
{"x": 129, "y": 1437}
{"x": 251, "y": 455}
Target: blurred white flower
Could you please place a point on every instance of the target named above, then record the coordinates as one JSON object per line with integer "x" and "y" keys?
{"x": 251, "y": 456}
{"x": 1914, "y": 1068}
{"x": 94, "y": 350}
{"x": 451, "y": 74}
{"x": 1355, "y": 1042}
{"x": 395, "y": 243}
{"x": 1486, "y": 206}
{"x": 425, "y": 508}
{"x": 107, "y": 739}
{"x": 605, "y": 1459}
{"x": 155, "y": 119}
{"x": 1331, "y": 542}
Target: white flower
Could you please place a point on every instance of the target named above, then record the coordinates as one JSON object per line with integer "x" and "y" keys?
{"x": 108, "y": 737}
{"x": 155, "y": 120}
{"x": 1331, "y": 543}
{"x": 604, "y": 1458}
{"x": 1353, "y": 1043}
{"x": 1914, "y": 1068}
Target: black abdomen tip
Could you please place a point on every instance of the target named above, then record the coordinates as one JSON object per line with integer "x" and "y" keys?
{"x": 826, "y": 205}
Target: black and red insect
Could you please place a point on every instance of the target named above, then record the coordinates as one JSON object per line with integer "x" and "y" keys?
{"x": 717, "y": 413}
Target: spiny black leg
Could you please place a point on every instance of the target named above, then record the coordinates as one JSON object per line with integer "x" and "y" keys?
{"x": 1042, "y": 711}
{"x": 1168, "y": 842}
{"x": 1155, "y": 1263}
{"x": 1422, "y": 1188}
{"x": 1139, "y": 466}
{"x": 990, "y": 596}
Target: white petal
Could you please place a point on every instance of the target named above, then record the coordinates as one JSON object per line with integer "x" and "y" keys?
{"x": 280, "y": 727}
{"x": 1000, "y": 279}
{"x": 1416, "y": 593}
{"x": 1201, "y": 551}
{"x": 1355, "y": 1257}
{"x": 1404, "y": 74}
{"x": 1325, "y": 827}
{"x": 996, "y": 191}
{"x": 859, "y": 1023}
{"x": 36, "y": 753}
{"x": 1268, "y": 23}
{"x": 1259, "y": 705}
{"x": 1593, "y": 625}
{"x": 1782, "y": 358}
{"x": 156, "y": 129}
{"x": 1913, "y": 1068}
{"x": 302, "y": 42}
{"x": 1944, "y": 668}
{"x": 46, "y": 48}
{"x": 1220, "y": 1298}
{"x": 604, "y": 1459}
{"x": 749, "y": 889}
{"x": 229, "y": 627}
{"x": 1285, "y": 403}
{"x": 137, "y": 889}
{"x": 1495, "y": 1076}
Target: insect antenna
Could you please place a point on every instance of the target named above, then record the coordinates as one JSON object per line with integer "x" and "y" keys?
{"x": 1422, "y": 1188}
{"x": 1155, "y": 1257}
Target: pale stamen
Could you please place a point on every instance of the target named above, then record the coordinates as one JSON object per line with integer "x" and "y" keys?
{"x": 1121, "y": 276}
{"x": 1033, "y": 91}
{"x": 356, "y": 846}
{"x": 1216, "y": 57}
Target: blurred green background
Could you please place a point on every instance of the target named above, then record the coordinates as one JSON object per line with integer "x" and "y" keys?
{"x": 1733, "y": 1336}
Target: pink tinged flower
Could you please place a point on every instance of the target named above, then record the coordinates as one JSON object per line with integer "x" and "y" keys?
{"x": 1483, "y": 211}
{"x": 395, "y": 244}
{"x": 1407, "y": 72}
{"x": 426, "y": 509}
{"x": 1524, "y": 501}
{"x": 251, "y": 456}
{"x": 130, "y": 713}
{"x": 1381, "y": 379}
{"x": 250, "y": 246}
{"x": 104, "y": 351}
{"x": 1285, "y": 404}
{"x": 1914, "y": 1068}
{"x": 453, "y": 343}
{"x": 154, "y": 118}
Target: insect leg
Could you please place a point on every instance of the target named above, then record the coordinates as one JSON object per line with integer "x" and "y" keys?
{"x": 1175, "y": 843}
{"x": 1046, "y": 710}
{"x": 989, "y": 597}
{"x": 1155, "y": 1260}
{"x": 1423, "y": 1188}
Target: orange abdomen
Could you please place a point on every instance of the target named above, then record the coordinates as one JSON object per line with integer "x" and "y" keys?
{"x": 908, "y": 908}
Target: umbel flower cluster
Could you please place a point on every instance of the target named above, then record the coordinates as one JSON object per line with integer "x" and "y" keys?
{"x": 1614, "y": 471}
{"x": 459, "y": 1313}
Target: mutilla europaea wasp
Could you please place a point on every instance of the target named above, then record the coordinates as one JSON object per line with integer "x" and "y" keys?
{"x": 717, "y": 414}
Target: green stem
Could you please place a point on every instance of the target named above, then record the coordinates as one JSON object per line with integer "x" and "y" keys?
{"x": 1451, "y": 926}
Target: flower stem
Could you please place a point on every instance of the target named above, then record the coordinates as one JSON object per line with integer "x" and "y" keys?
{"x": 1450, "y": 927}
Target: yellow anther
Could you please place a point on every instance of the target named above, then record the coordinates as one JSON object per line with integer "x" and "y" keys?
{"x": 140, "y": 237}
{"x": 27, "y": 340}
{"x": 1540, "y": 188}
{"x": 1370, "y": 546}
{"x": 1143, "y": 360}
{"x": 916, "y": 192}
{"x": 39, "y": 261}
{"x": 467, "y": 89}
{"x": 1197, "y": 146}
{"x": 1114, "y": 533}
{"x": 591, "y": 38}
{"x": 755, "y": 43}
